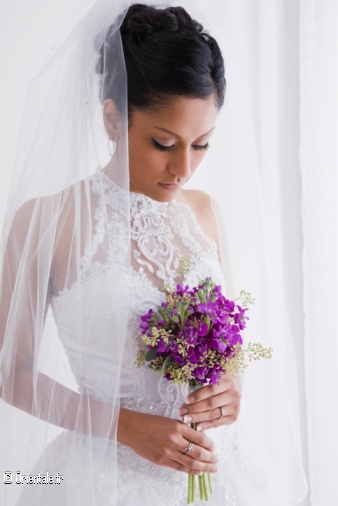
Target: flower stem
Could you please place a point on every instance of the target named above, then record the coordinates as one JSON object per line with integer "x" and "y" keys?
{"x": 205, "y": 486}
{"x": 191, "y": 488}
{"x": 204, "y": 483}
{"x": 210, "y": 483}
{"x": 200, "y": 486}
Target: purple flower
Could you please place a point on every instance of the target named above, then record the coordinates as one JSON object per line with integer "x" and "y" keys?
{"x": 240, "y": 317}
{"x": 201, "y": 373}
{"x": 146, "y": 319}
{"x": 215, "y": 376}
{"x": 204, "y": 327}
{"x": 208, "y": 308}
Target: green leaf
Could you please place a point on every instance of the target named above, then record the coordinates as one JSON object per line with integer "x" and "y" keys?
{"x": 151, "y": 354}
{"x": 162, "y": 312}
{"x": 166, "y": 364}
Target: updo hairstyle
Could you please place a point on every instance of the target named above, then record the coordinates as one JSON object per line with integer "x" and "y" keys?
{"x": 167, "y": 54}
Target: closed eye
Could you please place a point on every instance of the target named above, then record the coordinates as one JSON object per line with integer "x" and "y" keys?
{"x": 198, "y": 147}
{"x": 160, "y": 147}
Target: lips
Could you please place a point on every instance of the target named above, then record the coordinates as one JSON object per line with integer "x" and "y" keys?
{"x": 170, "y": 186}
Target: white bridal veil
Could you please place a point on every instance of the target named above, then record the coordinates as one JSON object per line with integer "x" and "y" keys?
{"x": 47, "y": 251}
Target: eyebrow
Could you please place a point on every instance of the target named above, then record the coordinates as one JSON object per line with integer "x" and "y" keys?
{"x": 177, "y": 136}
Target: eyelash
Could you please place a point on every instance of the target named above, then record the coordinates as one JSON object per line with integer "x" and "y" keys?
{"x": 160, "y": 147}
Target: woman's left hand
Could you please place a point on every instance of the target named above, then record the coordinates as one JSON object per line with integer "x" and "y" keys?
{"x": 213, "y": 405}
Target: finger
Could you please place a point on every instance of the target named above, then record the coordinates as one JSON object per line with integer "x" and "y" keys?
{"x": 192, "y": 467}
{"x": 212, "y": 415}
{"x": 227, "y": 420}
{"x": 198, "y": 459}
{"x": 230, "y": 397}
{"x": 198, "y": 439}
{"x": 230, "y": 416}
{"x": 187, "y": 464}
{"x": 210, "y": 390}
{"x": 199, "y": 454}
{"x": 197, "y": 465}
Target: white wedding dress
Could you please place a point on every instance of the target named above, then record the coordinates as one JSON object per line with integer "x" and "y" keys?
{"x": 160, "y": 232}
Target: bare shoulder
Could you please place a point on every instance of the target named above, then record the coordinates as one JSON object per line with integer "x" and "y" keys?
{"x": 202, "y": 205}
{"x": 199, "y": 202}
{"x": 22, "y": 223}
{"x": 28, "y": 216}
{"x": 35, "y": 217}
{"x": 24, "y": 214}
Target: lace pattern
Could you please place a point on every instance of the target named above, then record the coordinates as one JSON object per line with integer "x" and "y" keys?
{"x": 160, "y": 232}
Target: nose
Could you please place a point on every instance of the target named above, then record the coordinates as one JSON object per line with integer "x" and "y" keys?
{"x": 180, "y": 164}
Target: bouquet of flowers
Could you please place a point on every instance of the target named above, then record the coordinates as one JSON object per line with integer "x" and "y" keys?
{"x": 194, "y": 337}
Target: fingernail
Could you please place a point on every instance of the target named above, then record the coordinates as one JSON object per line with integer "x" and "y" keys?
{"x": 189, "y": 399}
{"x": 199, "y": 428}
{"x": 183, "y": 411}
{"x": 213, "y": 469}
{"x": 187, "y": 419}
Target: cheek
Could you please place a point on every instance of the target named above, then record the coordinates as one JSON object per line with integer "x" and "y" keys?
{"x": 144, "y": 161}
{"x": 134, "y": 147}
{"x": 137, "y": 156}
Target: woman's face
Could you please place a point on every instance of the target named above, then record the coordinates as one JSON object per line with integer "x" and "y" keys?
{"x": 167, "y": 145}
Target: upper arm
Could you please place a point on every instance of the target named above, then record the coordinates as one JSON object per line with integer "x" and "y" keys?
{"x": 23, "y": 289}
{"x": 12, "y": 261}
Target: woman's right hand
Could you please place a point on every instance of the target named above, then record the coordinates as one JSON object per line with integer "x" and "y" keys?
{"x": 164, "y": 441}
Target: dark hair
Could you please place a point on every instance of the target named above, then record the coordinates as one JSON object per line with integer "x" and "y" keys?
{"x": 167, "y": 54}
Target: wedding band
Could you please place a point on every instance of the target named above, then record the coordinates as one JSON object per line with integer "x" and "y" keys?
{"x": 222, "y": 412}
{"x": 188, "y": 448}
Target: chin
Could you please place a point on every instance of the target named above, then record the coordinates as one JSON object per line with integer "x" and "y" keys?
{"x": 167, "y": 193}
{"x": 159, "y": 194}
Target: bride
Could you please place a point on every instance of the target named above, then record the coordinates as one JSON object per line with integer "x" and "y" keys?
{"x": 88, "y": 253}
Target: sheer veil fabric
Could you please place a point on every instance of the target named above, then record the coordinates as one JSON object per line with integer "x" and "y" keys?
{"x": 67, "y": 243}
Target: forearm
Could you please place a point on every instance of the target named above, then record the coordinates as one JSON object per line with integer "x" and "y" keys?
{"x": 54, "y": 403}
{"x": 128, "y": 423}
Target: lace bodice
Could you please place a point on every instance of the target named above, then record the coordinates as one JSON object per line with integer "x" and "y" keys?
{"x": 160, "y": 234}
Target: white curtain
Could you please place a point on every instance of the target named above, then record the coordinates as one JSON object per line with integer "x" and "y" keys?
{"x": 319, "y": 167}
{"x": 292, "y": 51}
{"x": 290, "y": 54}
{"x": 290, "y": 48}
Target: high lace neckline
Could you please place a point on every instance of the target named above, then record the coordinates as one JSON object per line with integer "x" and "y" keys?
{"x": 135, "y": 196}
{"x": 135, "y": 233}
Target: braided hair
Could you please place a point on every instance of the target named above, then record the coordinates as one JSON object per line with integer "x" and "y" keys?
{"x": 167, "y": 54}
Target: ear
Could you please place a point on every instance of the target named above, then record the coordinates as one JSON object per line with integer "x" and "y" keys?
{"x": 112, "y": 120}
